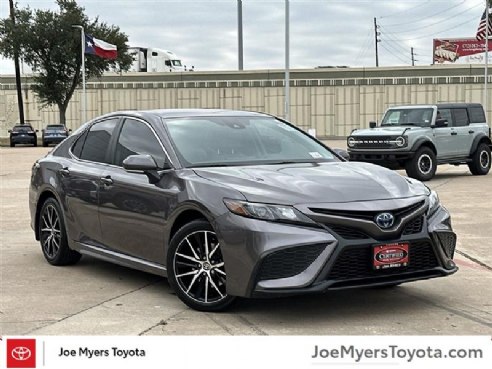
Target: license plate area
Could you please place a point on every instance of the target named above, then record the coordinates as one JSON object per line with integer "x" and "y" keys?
{"x": 390, "y": 256}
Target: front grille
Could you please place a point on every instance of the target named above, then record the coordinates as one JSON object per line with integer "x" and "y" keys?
{"x": 415, "y": 226}
{"x": 356, "y": 262}
{"x": 448, "y": 242}
{"x": 368, "y": 142}
{"x": 369, "y": 215}
{"x": 288, "y": 262}
{"x": 348, "y": 233}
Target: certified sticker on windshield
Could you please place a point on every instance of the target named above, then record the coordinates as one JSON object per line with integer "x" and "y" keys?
{"x": 316, "y": 155}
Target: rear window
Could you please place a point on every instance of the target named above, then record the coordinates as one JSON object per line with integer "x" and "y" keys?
{"x": 477, "y": 115}
{"x": 23, "y": 128}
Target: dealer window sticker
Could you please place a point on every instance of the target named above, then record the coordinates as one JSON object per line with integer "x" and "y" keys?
{"x": 315, "y": 155}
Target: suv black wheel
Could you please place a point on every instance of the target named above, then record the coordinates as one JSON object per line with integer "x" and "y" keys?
{"x": 480, "y": 164}
{"x": 53, "y": 236}
{"x": 196, "y": 269}
{"x": 423, "y": 165}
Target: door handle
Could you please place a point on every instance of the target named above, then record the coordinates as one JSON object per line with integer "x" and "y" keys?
{"x": 454, "y": 133}
{"x": 107, "y": 181}
{"x": 470, "y": 132}
{"x": 64, "y": 172}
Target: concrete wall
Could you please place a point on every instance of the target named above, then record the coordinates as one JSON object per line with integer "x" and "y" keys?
{"x": 333, "y": 101}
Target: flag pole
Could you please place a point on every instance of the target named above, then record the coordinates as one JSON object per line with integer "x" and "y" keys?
{"x": 486, "y": 56}
{"x": 84, "y": 95}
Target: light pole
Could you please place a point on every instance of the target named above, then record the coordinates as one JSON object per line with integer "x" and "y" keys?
{"x": 84, "y": 95}
{"x": 240, "y": 33}
{"x": 287, "y": 51}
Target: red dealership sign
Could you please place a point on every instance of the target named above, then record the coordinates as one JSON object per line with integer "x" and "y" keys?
{"x": 450, "y": 50}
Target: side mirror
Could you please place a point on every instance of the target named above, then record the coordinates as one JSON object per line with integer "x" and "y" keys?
{"x": 440, "y": 123}
{"x": 342, "y": 153}
{"x": 10, "y": 131}
{"x": 372, "y": 124}
{"x": 37, "y": 130}
{"x": 70, "y": 130}
{"x": 140, "y": 163}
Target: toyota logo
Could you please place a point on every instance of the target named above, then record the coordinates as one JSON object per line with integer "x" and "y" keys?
{"x": 385, "y": 220}
{"x": 21, "y": 353}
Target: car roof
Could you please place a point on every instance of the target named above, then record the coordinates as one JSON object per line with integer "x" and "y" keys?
{"x": 182, "y": 113}
{"x": 22, "y": 125}
{"x": 438, "y": 106}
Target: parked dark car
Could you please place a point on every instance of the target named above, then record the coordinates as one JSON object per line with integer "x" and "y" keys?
{"x": 23, "y": 134}
{"x": 228, "y": 203}
{"x": 54, "y": 134}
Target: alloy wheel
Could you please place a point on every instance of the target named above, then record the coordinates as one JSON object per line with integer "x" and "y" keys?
{"x": 199, "y": 267}
{"x": 425, "y": 164}
{"x": 484, "y": 159}
{"x": 50, "y": 232}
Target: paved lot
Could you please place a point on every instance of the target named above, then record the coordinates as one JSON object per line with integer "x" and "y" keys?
{"x": 94, "y": 297}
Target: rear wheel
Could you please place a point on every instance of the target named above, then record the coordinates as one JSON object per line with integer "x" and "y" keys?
{"x": 35, "y": 143}
{"x": 480, "y": 164}
{"x": 423, "y": 165}
{"x": 45, "y": 144}
{"x": 196, "y": 269}
{"x": 12, "y": 144}
{"x": 53, "y": 236}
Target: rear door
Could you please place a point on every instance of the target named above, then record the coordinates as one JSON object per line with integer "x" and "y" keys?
{"x": 81, "y": 179}
{"x": 462, "y": 141}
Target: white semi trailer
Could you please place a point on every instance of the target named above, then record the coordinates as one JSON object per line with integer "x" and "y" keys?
{"x": 147, "y": 59}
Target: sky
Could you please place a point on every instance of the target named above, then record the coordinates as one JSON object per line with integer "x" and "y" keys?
{"x": 203, "y": 33}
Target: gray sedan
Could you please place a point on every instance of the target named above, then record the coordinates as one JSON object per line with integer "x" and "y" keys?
{"x": 230, "y": 204}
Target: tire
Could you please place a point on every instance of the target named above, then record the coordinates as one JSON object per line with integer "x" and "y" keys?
{"x": 53, "y": 235}
{"x": 35, "y": 144}
{"x": 423, "y": 165}
{"x": 45, "y": 144}
{"x": 12, "y": 144}
{"x": 198, "y": 277}
{"x": 481, "y": 159}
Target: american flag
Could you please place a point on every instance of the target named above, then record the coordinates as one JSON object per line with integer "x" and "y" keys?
{"x": 483, "y": 25}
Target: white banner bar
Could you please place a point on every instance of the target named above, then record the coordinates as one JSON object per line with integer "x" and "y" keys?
{"x": 216, "y": 352}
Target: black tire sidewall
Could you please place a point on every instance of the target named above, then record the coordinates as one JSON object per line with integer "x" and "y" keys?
{"x": 193, "y": 226}
{"x": 413, "y": 169}
{"x": 477, "y": 167}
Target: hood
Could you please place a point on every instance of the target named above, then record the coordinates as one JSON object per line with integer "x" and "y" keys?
{"x": 383, "y": 131}
{"x": 302, "y": 183}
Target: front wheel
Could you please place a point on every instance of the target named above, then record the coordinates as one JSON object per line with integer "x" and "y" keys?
{"x": 196, "y": 268}
{"x": 423, "y": 165}
{"x": 53, "y": 236}
{"x": 480, "y": 164}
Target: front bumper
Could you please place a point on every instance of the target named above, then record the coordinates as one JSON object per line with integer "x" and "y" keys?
{"x": 389, "y": 158}
{"x": 266, "y": 259}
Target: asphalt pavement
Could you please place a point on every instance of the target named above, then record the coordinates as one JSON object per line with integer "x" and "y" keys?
{"x": 99, "y": 298}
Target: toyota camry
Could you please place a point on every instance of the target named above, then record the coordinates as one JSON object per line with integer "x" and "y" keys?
{"x": 230, "y": 204}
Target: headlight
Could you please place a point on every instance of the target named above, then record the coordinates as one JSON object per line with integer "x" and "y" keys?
{"x": 351, "y": 142}
{"x": 433, "y": 203}
{"x": 400, "y": 141}
{"x": 279, "y": 213}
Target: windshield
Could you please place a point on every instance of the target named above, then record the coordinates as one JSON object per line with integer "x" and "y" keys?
{"x": 176, "y": 63}
{"x": 217, "y": 141}
{"x": 401, "y": 117}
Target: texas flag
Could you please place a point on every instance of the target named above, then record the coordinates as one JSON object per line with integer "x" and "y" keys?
{"x": 100, "y": 48}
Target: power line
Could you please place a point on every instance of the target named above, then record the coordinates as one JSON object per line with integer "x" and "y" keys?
{"x": 406, "y": 10}
{"x": 441, "y": 21}
{"x": 395, "y": 55}
{"x": 428, "y": 16}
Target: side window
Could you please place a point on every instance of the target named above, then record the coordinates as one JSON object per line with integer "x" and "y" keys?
{"x": 97, "y": 141}
{"x": 446, "y": 114}
{"x": 77, "y": 147}
{"x": 477, "y": 115}
{"x": 460, "y": 118}
{"x": 137, "y": 138}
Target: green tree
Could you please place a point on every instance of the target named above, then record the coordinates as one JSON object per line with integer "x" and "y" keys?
{"x": 50, "y": 45}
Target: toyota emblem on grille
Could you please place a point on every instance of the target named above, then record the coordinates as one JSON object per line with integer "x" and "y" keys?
{"x": 385, "y": 220}
{"x": 21, "y": 353}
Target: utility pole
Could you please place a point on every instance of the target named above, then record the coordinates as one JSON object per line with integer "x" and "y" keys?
{"x": 240, "y": 33}
{"x": 287, "y": 62}
{"x": 376, "y": 40}
{"x": 413, "y": 57}
{"x": 20, "y": 102}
